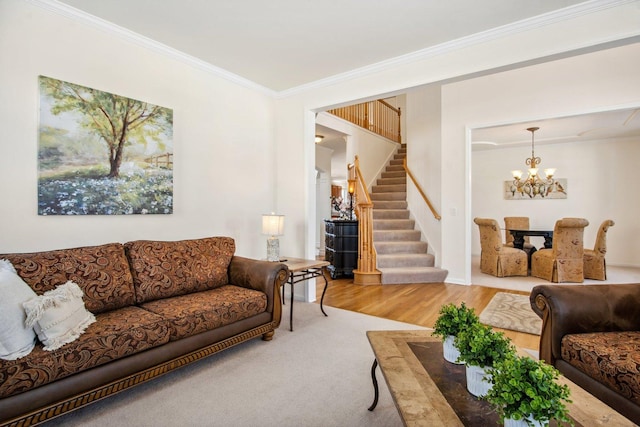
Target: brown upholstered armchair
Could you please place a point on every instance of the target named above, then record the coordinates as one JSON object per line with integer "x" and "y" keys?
{"x": 495, "y": 258}
{"x": 564, "y": 261}
{"x": 590, "y": 334}
{"x": 595, "y": 266}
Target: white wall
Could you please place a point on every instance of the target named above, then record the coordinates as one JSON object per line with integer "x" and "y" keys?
{"x": 323, "y": 193}
{"x": 296, "y": 119}
{"x": 597, "y": 81}
{"x": 224, "y": 172}
{"x": 423, "y": 138}
{"x": 600, "y": 176}
{"x": 373, "y": 151}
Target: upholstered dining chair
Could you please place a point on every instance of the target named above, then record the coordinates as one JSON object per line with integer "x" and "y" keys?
{"x": 564, "y": 261}
{"x": 517, "y": 223}
{"x": 595, "y": 266}
{"x": 495, "y": 258}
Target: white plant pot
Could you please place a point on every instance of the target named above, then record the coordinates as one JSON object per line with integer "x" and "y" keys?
{"x": 476, "y": 383}
{"x": 450, "y": 351}
{"x": 508, "y": 422}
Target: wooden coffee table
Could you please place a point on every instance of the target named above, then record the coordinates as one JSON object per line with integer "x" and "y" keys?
{"x": 429, "y": 391}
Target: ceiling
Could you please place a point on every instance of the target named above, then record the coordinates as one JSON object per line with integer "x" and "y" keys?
{"x": 602, "y": 125}
{"x": 282, "y": 44}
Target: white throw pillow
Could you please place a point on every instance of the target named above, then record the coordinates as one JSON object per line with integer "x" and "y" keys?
{"x": 59, "y": 315}
{"x": 16, "y": 338}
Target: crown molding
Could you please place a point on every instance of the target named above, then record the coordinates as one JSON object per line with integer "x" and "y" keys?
{"x": 567, "y": 13}
{"x": 145, "y": 42}
{"x": 570, "y": 12}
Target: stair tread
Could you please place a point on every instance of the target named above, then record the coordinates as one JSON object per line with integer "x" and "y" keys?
{"x": 409, "y": 269}
{"x": 396, "y": 241}
{"x": 405, "y": 255}
{"x": 402, "y": 275}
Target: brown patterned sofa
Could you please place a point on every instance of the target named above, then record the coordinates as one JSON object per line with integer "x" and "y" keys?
{"x": 592, "y": 335}
{"x": 158, "y": 306}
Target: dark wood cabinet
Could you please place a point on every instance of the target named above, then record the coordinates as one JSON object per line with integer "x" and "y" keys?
{"x": 341, "y": 246}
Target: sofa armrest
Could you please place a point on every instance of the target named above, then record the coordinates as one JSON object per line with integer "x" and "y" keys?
{"x": 263, "y": 276}
{"x": 579, "y": 309}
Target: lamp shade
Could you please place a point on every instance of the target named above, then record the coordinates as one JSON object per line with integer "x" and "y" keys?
{"x": 352, "y": 186}
{"x": 272, "y": 224}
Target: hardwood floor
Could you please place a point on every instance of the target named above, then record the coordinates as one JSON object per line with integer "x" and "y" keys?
{"x": 415, "y": 303}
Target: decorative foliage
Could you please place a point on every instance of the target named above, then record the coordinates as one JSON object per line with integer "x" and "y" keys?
{"x": 340, "y": 208}
{"x": 454, "y": 319}
{"x": 523, "y": 388}
{"x": 480, "y": 345}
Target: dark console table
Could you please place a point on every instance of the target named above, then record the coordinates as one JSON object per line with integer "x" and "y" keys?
{"x": 341, "y": 246}
{"x": 518, "y": 237}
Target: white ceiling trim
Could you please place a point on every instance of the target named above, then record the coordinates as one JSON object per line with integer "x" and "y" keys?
{"x": 549, "y": 18}
{"x": 498, "y": 32}
{"x": 140, "y": 40}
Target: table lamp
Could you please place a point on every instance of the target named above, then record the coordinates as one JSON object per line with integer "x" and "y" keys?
{"x": 351, "y": 189}
{"x": 272, "y": 226}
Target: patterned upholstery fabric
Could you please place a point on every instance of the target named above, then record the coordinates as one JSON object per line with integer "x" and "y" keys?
{"x": 102, "y": 272}
{"x": 115, "y": 334}
{"x": 515, "y": 223}
{"x": 595, "y": 266}
{"x": 194, "y": 313}
{"x": 167, "y": 269}
{"x": 564, "y": 261}
{"x": 497, "y": 259}
{"x": 611, "y": 358}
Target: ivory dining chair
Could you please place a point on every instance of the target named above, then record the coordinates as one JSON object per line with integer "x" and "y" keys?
{"x": 564, "y": 261}
{"x": 495, "y": 258}
{"x": 517, "y": 223}
{"x": 595, "y": 266}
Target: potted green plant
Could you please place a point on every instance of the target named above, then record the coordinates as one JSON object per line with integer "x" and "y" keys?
{"x": 525, "y": 392}
{"x": 451, "y": 320}
{"x": 480, "y": 348}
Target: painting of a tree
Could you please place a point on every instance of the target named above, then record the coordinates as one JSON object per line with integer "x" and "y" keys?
{"x": 101, "y": 153}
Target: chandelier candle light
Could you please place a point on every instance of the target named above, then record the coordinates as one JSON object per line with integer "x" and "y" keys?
{"x": 272, "y": 226}
{"x": 533, "y": 184}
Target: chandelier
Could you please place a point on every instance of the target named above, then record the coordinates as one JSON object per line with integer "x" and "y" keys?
{"x": 533, "y": 185}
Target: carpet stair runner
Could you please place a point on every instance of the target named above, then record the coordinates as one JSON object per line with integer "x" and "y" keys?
{"x": 401, "y": 256}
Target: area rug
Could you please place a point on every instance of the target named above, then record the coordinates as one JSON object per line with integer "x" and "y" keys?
{"x": 513, "y": 312}
{"x": 317, "y": 375}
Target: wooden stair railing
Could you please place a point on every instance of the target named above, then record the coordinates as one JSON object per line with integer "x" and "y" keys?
{"x": 377, "y": 116}
{"x": 366, "y": 272}
{"x": 435, "y": 213}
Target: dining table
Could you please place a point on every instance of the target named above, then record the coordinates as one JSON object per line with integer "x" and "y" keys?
{"x": 519, "y": 234}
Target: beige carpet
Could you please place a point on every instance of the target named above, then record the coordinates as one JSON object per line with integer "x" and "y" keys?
{"x": 615, "y": 274}
{"x": 513, "y": 312}
{"x": 319, "y": 375}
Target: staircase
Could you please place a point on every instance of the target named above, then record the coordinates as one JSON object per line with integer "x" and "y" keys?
{"x": 401, "y": 256}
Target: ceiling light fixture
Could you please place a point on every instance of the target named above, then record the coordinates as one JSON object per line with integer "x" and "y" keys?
{"x": 319, "y": 138}
{"x": 533, "y": 185}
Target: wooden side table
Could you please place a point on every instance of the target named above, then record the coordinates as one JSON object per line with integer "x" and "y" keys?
{"x": 301, "y": 270}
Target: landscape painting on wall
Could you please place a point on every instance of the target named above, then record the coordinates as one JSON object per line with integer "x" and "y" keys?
{"x": 556, "y": 190}
{"x": 102, "y": 154}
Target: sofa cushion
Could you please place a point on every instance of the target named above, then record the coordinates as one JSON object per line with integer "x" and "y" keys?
{"x": 166, "y": 269}
{"x": 199, "y": 312}
{"x": 16, "y": 338}
{"x": 611, "y": 358}
{"x": 102, "y": 272}
{"x": 115, "y": 334}
{"x": 58, "y": 316}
